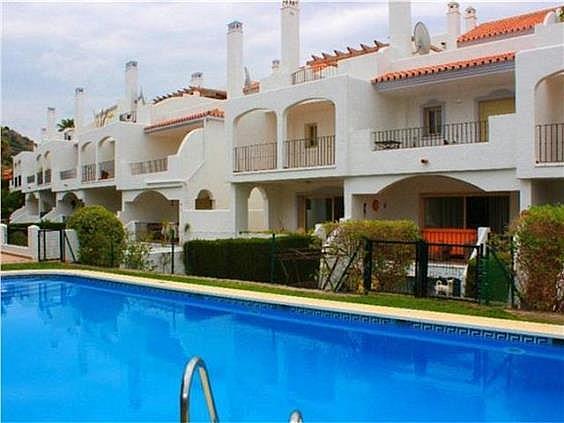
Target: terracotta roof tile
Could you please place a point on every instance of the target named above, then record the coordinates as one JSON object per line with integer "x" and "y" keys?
{"x": 512, "y": 25}
{"x": 444, "y": 67}
{"x": 195, "y": 116}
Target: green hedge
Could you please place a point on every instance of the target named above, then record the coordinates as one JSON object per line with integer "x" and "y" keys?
{"x": 540, "y": 242}
{"x": 247, "y": 259}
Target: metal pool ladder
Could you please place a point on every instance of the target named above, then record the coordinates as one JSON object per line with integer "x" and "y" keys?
{"x": 197, "y": 363}
{"x": 193, "y": 364}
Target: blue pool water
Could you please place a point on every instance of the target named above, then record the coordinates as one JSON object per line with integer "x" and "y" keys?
{"x": 76, "y": 349}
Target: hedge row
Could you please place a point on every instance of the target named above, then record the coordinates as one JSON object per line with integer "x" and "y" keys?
{"x": 248, "y": 259}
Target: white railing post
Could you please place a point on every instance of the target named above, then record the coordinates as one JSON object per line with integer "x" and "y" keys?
{"x": 3, "y": 233}
{"x": 33, "y": 241}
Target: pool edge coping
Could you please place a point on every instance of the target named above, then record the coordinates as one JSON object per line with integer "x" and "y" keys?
{"x": 547, "y": 330}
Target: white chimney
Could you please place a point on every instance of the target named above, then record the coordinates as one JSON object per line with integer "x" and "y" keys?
{"x": 235, "y": 71}
{"x": 399, "y": 22}
{"x": 78, "y": 108}
{"x": 470, "y": 20}
{"x": 131, "y": 84}
{"x": 51, "y": 122}
{"x": 197, "y": 79}
{"x": 290, "y": 36}
{"x": 453, "y": 24}
{"x": 275, "y": 66}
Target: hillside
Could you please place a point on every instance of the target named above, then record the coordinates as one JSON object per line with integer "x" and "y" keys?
{"x": 13, "y": 143}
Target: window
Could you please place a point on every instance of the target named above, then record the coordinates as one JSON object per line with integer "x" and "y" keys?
{"x": 311, "y": 134}
{"x": 204, "y": 200}
{"x": 432, "y": 120}
{"x": 444, "y": 212}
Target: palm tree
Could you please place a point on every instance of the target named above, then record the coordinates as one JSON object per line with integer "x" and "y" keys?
{"x": 65, "y": 123}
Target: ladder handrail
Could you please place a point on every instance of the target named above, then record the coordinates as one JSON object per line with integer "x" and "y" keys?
{"x": 196, "y": 363}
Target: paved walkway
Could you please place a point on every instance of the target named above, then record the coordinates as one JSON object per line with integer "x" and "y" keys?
{"x": 11, "y": 258}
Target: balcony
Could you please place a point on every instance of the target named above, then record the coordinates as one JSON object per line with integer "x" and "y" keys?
{"x": 88, "y": 172}
{"x": 309, "y": 152}
{"x": 443, "y": 135}
{"x": 308, "y": 74}
{"x": 256, "y": 157}
{"x": 149, "y": 166}
{"x": 68, "y": 174}
{"x": 106, "y": 170}
{"x": 549, "y": 143}
{"x": 47, "y": 176}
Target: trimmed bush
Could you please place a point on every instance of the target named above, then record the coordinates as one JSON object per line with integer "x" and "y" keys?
{"x": 101, "y": 236}
{"x": 539, "y": 233}
{"x": 247, "y": 259}
{"x": 390, "y": 262}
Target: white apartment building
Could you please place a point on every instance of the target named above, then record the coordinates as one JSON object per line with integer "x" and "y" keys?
{"x": 458, "y": 131}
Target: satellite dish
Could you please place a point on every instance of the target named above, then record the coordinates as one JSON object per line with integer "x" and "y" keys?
{"x": 421, "y": 38}
{"x": 550, "y": 18}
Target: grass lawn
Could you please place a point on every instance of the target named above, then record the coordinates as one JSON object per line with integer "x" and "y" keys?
{"x": 381, "y": 299}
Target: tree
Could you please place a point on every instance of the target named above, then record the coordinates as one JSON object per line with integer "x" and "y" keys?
{"x": 65, "y": 124}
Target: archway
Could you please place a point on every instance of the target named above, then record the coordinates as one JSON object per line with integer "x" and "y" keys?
{"x": 438, "y": 202}
{"x": 204, "y": 200}
{"x": 258, "y": 210}
{"x": 549, "y": 119}
{"x": 255, "y": 141}
{"x": 151, "y": 216}
{"x": 88, "y": 162}
{"x": 310, "y": 133}
{"x": 106, "y": 158}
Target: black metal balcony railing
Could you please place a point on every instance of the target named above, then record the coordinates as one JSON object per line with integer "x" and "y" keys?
{"x": 30, "y": 179}
{"x": 249, "y": 158}
{"x": 88, "y": 173}
{"x": 550, "y": 143}
{"x": 68, "y": 174}
{"x": 310, "y": 152}
{"x": 308, "y": 74}
{"x": 149, "y": 166}
{"x": 447, "y": 134}
{"x": 39, "y": 178}
{"x": 47, "y": 176}
{"x": 106, "y": 169}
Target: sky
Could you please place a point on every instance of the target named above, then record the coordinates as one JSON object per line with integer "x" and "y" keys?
{"x": 50, "y": 48}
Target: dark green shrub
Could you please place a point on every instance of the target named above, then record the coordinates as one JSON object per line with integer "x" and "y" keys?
{"x": 100, "y": 234}
{"x": 247, "y": 259}
{"x": 17, "y": 237}
{"x": 539, "y": 234}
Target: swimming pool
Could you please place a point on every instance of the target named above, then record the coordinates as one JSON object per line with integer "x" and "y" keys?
{"x": 81, "y": 349}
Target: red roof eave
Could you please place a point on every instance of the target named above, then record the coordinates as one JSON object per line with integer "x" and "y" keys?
{"x": 445, "y": 67}
{"x": 511, "y": 25}
{"x": 185, "y": 119}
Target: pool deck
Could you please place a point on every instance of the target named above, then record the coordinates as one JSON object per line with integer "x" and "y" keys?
{"x": 429, "y": 317}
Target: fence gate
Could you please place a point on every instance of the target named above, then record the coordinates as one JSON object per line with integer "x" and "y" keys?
{"x": 424, "y": 269}
{"x": 53, "y": 245}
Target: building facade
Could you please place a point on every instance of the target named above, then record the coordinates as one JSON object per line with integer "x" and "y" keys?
{"x": 454, "y": 131}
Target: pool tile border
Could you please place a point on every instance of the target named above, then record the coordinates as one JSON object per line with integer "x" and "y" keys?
{"x": 474, "y": 326}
